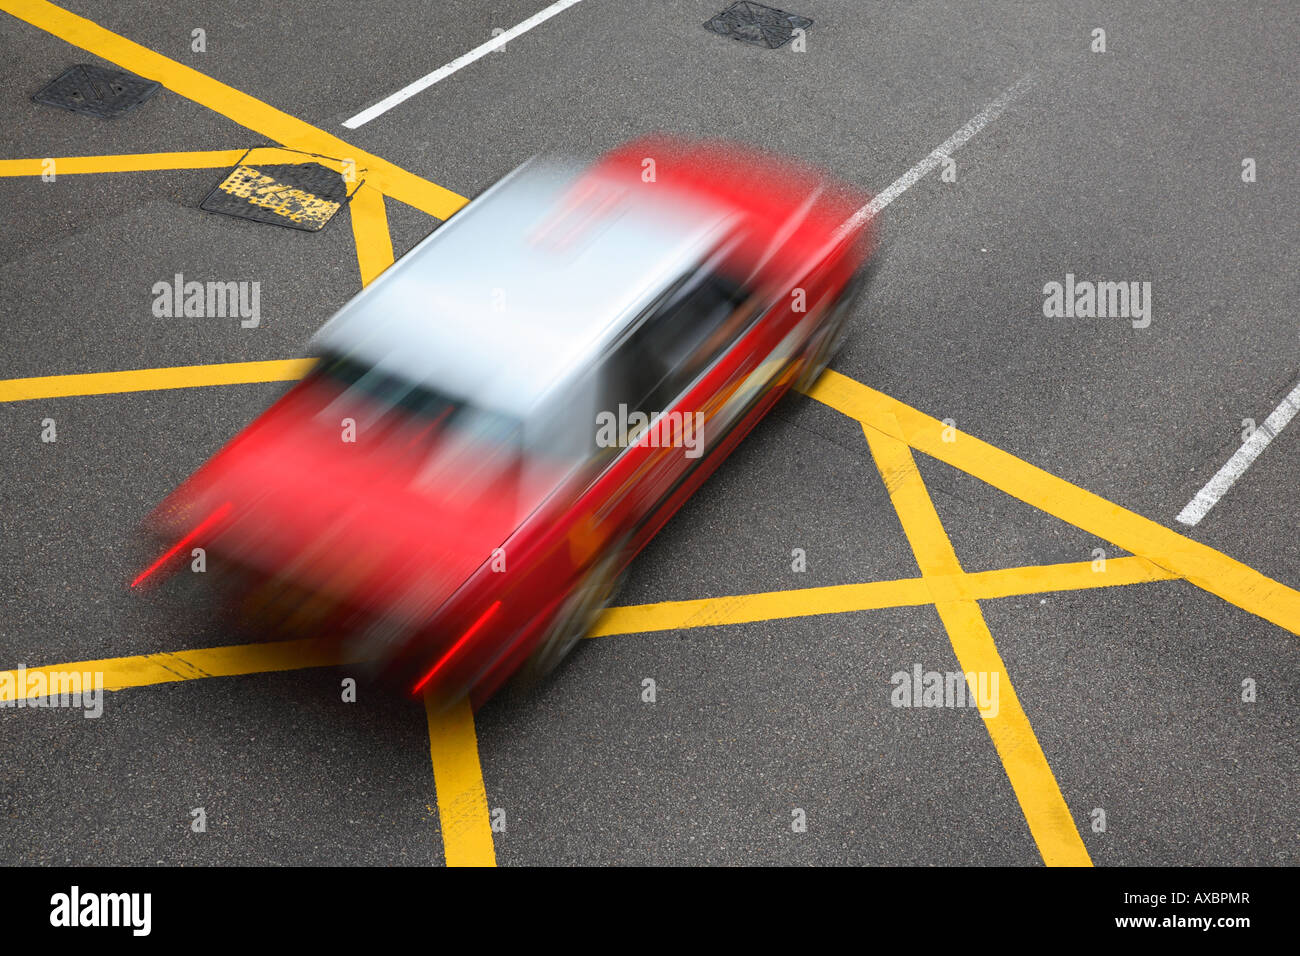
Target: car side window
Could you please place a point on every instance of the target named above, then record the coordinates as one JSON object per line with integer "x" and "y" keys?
{"x": 681, "y": 336}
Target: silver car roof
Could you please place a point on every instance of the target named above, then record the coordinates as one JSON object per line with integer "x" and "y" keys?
{"x": 524, "y": 286}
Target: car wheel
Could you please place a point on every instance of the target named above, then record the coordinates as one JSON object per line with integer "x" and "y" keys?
{"x": 833, "y": 333}
{"x": 575, "y": 619}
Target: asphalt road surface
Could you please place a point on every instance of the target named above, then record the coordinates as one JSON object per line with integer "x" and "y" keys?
{"x": 1145, "y": 718}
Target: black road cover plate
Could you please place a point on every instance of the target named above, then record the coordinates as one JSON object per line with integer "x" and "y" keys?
{"x": 300, "y": 196}
{"x": 86, "y": 88}
{"x": 757, "y": 24}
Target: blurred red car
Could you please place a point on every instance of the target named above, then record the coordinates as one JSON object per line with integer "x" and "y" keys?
{"x": 504, "y": 418}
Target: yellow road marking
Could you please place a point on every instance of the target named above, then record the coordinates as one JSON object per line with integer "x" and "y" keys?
{"x": 1182, "y": 557}
{"x": 1031, "y": 777}
{"x": 143, "y": 162}
{"x": 370, "y": 232}
{"x": 458, "y": 778}
{"x": 453, "y": 745}
{"x": 245, "y": 110}
{"x": 1208, "y": 569}
{"x": 146, "y": 670}
{"x": 843, "y": 598}
{"x": 126, "y": 163}
{"x": 148, "y": 379}
{"x": 237, "y": 659}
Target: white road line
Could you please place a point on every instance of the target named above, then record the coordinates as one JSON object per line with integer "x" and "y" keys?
{"x": 941, "y": 152}
{"x": 1236, "y": 466}
{"x": 424, "y": 82}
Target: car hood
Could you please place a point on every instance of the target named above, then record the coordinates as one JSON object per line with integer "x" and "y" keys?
{"x": 389, "y": 516}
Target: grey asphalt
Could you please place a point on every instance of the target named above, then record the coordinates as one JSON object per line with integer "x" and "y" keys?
{"x": 1123, "y": 165}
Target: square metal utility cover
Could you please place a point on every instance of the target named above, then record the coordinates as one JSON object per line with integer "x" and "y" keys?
{"x": 299, "y": 196}
{"x": 86, "y": 88}
{"x": 757, "y": 24}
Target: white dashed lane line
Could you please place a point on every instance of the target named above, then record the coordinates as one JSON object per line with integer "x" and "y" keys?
{"x": 941, "y": 152}
{"x": 426, "y": 81}
{"x": 1244, "y": 457}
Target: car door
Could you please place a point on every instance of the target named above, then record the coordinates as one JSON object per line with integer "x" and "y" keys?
{"x": 662, "y": 438}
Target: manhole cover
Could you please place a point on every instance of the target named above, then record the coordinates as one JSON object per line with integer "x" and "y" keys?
{"x": 757, "y": 24}
{"x": 86, "y": 88}
{"x": 300, "y": 196}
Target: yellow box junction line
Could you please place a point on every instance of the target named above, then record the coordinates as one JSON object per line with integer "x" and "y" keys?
{"x": 845, "y": 598}
{"x": 1022, "y": 757}
{"x": 455, "y": 756}
{"x": 152, "y": 162}
{"x": 458, "y": 780}
{"x": 236, "y": 660}
{"x": 370, "y": 232}
{"x": 1200, "y": 564}
{"x": 852, "y": 399}
{"x": 1170, "y": 554}
{"x": 151, "y": 379}
{"x": 245, "y": 110}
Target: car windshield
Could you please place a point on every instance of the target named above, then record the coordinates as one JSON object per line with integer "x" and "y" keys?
{"x": 465, "y": 450}
{"x": 393, "y": 391}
